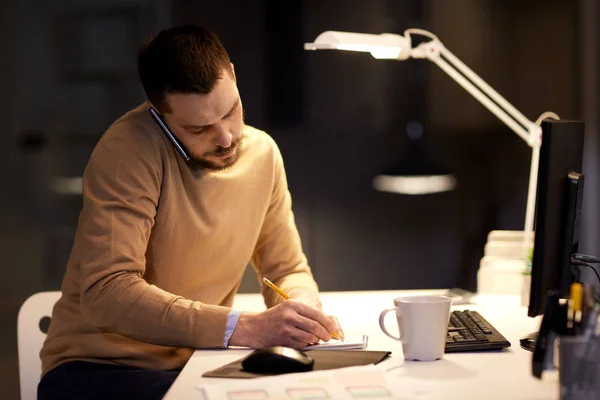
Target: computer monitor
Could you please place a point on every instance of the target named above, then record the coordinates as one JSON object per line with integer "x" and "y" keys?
{"x": 558, "y": 211}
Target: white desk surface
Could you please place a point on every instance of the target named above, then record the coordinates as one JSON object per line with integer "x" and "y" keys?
{"x": 472, "y": 375}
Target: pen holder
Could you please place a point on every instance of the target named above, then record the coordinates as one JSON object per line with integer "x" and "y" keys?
{"x": 579, "y": 367}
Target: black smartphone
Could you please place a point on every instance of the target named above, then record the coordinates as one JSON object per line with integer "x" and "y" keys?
{"x": 178, "y": 146}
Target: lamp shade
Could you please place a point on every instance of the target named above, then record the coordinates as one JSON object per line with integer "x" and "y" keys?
{"x": 382, "y": 46}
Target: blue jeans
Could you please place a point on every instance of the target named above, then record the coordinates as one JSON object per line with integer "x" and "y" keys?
{"x": 90, "y": 381}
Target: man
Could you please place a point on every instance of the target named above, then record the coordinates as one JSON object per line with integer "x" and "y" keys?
{"x": 162, "y": 242}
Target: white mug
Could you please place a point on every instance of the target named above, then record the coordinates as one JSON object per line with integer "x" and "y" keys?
{"x": 423, "y": 325}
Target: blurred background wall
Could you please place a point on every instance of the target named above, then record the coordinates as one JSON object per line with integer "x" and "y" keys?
{"x": 68, "y": 70}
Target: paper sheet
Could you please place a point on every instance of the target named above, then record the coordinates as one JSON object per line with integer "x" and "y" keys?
{"x": 347, "y": 344}
{"x": 364, "y": 382}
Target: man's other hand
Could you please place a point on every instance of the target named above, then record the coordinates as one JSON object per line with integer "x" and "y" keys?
{"x": 291, "y": 324}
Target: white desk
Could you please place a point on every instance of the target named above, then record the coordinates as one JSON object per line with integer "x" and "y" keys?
{"x": 481, "y": 375}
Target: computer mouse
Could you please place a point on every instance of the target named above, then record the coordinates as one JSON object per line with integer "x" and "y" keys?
{"x": 277, "y": 359}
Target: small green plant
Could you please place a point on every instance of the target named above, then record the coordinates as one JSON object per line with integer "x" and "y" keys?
{"x": 528, "y": 262}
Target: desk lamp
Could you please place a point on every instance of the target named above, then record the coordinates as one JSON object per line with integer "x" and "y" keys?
{"x": 399, "y": 47}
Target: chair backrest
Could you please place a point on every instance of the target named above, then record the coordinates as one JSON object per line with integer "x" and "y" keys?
{"x": 30, "y": 338}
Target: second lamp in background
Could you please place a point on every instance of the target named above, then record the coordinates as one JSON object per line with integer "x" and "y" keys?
{"x": 415, "y": 173}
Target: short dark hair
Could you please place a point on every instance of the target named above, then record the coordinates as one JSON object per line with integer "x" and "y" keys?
{"x": 184, "y": 59}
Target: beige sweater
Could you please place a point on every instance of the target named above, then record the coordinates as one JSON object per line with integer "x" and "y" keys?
{"x": 161, "y": 248}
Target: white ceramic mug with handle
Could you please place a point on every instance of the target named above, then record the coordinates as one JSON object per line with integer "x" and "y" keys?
{"x": 423, "y": 325}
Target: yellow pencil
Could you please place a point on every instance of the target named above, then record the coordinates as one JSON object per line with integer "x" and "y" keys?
{"x": 285, "y": 296}
{"x": 275, "y": 288}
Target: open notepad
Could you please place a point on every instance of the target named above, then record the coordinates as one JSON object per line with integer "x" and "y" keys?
{"x": 347, "y": 344}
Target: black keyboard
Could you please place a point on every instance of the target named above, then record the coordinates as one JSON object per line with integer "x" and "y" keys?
{"x": 469, "y": 331}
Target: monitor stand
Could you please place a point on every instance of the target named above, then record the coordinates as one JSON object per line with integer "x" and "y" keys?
{"x": 554, "y": 319}
{"x": 553, "y": 323}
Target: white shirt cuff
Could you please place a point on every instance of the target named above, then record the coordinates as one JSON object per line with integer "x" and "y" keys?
{"x": 232, "y": 320}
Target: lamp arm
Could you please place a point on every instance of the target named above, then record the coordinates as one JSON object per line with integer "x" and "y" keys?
{"x": 437, "y": 53}
{"x": 488, "y": 90}
{"x": 502, "y": 114}
{"x": 529, "y": 131}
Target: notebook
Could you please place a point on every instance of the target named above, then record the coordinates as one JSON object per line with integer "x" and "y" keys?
{"x": 347, "y": 344}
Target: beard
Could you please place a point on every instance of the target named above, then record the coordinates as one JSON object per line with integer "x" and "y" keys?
{"x": 204, "y": 162}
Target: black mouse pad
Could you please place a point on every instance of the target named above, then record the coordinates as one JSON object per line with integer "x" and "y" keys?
{"x": 324, "y": 359}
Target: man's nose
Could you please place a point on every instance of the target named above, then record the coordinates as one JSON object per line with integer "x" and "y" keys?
{"x": 224, "y": 138}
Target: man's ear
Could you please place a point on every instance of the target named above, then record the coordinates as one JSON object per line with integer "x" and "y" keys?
{"x": 159, "y": 110}
{"x": 162, "y": 108}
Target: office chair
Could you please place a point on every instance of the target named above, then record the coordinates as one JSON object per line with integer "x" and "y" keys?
{"x": 30, "y": 338}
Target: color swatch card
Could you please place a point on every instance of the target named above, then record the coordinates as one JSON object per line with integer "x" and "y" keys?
{"x": 360, "y": 383}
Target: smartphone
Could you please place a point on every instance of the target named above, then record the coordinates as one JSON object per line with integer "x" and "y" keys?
{"x": 178, "y": 146}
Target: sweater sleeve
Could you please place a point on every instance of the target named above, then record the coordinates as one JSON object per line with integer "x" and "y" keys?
{"x": 121, "y": 191}
{"x": 278, "y": 254}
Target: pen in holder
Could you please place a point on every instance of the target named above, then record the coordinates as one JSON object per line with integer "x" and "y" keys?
{"x": 579, "y": 366}
{"x": 579, "y": 357}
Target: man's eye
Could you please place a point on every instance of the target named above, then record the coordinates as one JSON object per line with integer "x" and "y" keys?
{"x": 197, "y": 132}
